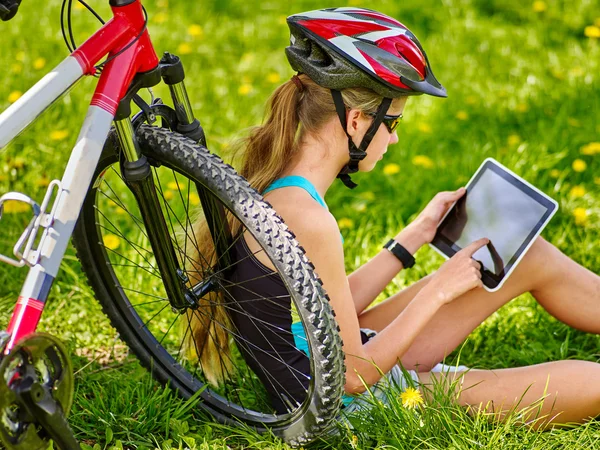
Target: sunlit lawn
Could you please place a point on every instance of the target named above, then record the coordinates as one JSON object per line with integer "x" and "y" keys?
{"x": 523, "y": 88}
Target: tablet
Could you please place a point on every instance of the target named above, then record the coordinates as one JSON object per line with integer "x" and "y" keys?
{"x": 502, "y": 207}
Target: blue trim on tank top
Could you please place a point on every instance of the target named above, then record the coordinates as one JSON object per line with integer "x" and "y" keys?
{"x": 301, "y": 182}
{"x": 298, "y": 181}
{"x": 302, "y": 344}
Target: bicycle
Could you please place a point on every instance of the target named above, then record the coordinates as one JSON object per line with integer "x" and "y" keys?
{"x": 150, "y": 186}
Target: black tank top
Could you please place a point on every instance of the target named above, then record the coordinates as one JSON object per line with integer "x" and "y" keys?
{"x": 262, "y": 316}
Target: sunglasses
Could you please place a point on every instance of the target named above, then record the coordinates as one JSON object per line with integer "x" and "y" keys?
{"x": 390, "y": 122}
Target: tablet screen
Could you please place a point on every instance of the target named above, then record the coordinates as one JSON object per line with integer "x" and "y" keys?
{"x": 500, "y": 207}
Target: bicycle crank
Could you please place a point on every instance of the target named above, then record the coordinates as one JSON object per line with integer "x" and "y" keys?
{"x": 36, "y": 393}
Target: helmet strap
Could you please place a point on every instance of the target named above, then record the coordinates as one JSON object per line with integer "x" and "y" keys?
{"x": 357, "y": 154}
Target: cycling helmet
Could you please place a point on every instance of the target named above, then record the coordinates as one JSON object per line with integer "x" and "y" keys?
{"x": 341, "y": 48}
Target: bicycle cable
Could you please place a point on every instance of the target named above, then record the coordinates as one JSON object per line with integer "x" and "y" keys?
{"x": 70, "y": 40}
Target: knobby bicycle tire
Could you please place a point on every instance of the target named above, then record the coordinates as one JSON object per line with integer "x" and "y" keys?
{"x": 168, "y": 151}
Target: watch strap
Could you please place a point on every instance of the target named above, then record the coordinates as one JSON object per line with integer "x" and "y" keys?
{"x": 401, "y": 253}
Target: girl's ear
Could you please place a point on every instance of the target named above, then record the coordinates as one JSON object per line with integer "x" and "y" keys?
{"x": 352, "y": 121}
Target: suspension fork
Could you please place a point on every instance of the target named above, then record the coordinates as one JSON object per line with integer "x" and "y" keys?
{"x": 173, "y": 75}
{"x": 137, "y": 174}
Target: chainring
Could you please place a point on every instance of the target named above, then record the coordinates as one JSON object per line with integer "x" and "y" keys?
{"x": 44, "y": 358}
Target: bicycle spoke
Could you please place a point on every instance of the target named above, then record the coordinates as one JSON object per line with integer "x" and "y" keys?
{"x": 133, "y": 262}
{"x": 265, "y": 371}
{"x": 137, "y": 247}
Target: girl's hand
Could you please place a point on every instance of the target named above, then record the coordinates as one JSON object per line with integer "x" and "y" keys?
{"x": 458, "y": 275}
{"x": 432, "y": 214}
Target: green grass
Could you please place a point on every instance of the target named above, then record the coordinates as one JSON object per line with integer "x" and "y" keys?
{"x": 526, "y": 86}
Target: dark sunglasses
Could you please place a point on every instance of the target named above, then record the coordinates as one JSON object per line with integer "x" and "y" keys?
{"x": 390, "y": 122}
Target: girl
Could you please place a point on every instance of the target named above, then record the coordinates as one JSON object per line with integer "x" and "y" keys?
{"x": 356, "y": 71}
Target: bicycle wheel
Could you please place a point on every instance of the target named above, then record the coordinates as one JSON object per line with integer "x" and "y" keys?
{"x": 114, "y": 250}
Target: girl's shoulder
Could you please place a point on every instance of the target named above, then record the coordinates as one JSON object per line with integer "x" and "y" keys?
{"x": 303, "y": 214}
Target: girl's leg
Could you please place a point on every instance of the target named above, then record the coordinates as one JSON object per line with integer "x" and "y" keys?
{"x": 570, "y": 389}
{"x": 562, "y": 286}
{"x": 573, "y": 294}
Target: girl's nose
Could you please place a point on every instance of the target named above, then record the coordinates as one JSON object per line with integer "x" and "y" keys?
{"x": 394, "y": 137}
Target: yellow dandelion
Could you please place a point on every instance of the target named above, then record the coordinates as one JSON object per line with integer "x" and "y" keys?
{"x": 539, "y": 6}
{"x": 14, "y": 96}
{"x": 20, "y": 56}
{"x": 577, "y": 191}
{"x": 168, "y": 195}
{"x": 42, "y": 182}
{"x": 111, "y": 241}
{"x": 368, "y": 195}
{"x": 16, "y": 68}
{"x": 160, "y": 17}
{"x": 462, "y": 115}
{"x": 195, "y": 30}
{"x": 590, "y": 149}
{"x": 471, "y": 100}
{"x": 17, "y": 163}
{"x": 184, "y": 48}
{"x": 245, "y": 89}
{"x": 424, "y": 127}
{"x": 391, "y": 169}
{"x": 555, "y": 173}
{"x": 79, "y": 6}
{"x": 120, "y": 211}
{"x": 579, "y": 165}
{"x": 573, "y": 122}
{"x": 282, "y": 20}
{"x": 423, "y": 161}
{"x": 345, "y": 223}
{"x": 411, "y": 398}
{"x": 273, "y": 77}
{"x": 514, "y": 139}
{"x": 522, "y": 107}
{"x": 173, "y": 185}
{"x": 14, "y": 207}
{"x": 581, "y": 216}
{"x": 354, "y": 442}
{"x": 58, "y": 135}
{"x": 592, "y": 31}
{"x": 39, "y": 63}
{"x": 194, "y": 199}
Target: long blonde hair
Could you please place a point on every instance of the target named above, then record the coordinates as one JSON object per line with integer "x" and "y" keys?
{"x": 292, "y": 113}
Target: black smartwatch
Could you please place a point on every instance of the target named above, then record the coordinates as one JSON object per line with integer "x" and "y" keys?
{"x": 401, "y": 253}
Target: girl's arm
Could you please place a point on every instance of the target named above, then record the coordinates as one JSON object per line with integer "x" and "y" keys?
{"x": 370, "y": 279}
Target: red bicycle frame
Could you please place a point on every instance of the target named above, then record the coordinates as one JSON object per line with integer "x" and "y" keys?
{"x": 126, "y": 41}
{"x": 119, "y": 34}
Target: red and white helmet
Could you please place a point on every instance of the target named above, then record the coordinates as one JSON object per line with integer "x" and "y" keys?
{"x": 342, "y": 48}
